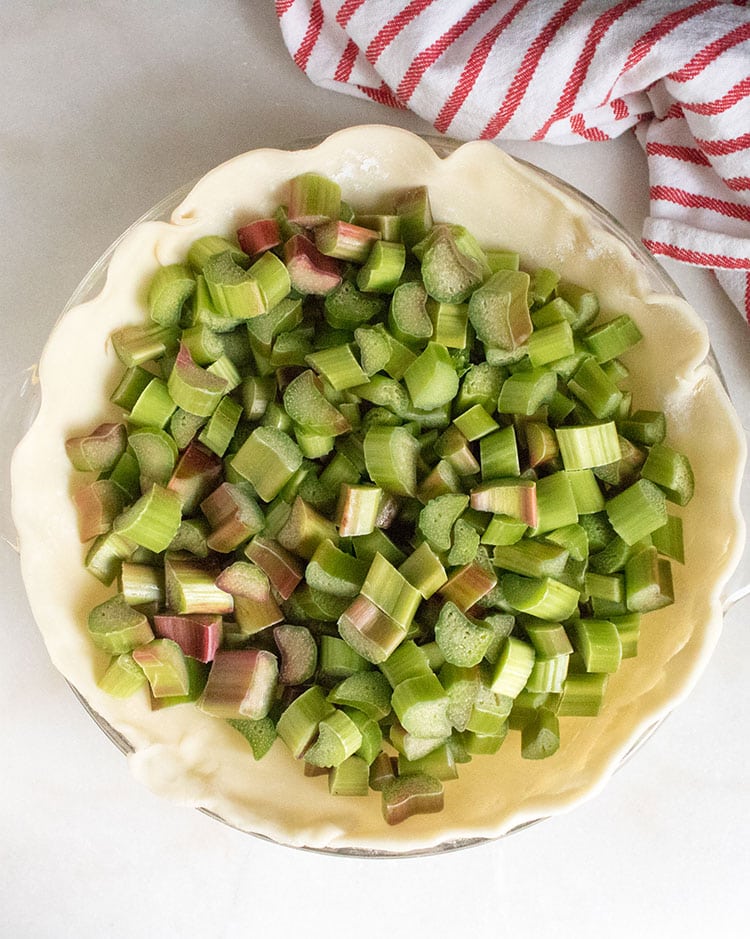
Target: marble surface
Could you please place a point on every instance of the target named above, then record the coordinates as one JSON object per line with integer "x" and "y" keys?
{"x": 106, "y": 108}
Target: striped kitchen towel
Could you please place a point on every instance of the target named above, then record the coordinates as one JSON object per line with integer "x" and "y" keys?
{"x": 563, "y": 71}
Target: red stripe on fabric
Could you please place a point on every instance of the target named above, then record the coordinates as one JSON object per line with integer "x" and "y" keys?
{"x": 701, "y": 258}
{"x": 619, "y": 108}
{"x": 383, "y": 95}
{"x": 578, "y": 74}
{"x": 347, "y": 11}
{"x": 693, "y": 200}
{"x": 710, "y": 53}
{"x": 432, "y": 53}
{"x": 578, "y": 126}
{"x": 675, "y": 111}
{"x": 645, "y": 43}
{"x": 283, "y": 6}
{"x": 393, "y": 27}
{"x": 474, "y": 65}
{"x": 736, "y": 93}
{"x": 346, "y": 62}
{"x": 522, "y": 78}
{"x": 724, "y": 147}
{"x": 738, "y": 183}
{"x": 685, "y": 154}
{"x": 747, "y": 297}
{"x": 314, "y": 26}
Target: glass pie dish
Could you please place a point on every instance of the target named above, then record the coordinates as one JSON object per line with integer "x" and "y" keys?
{"x": 183, "y": 755}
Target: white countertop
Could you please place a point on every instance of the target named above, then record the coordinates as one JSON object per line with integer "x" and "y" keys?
{"x": 106, "y": 108}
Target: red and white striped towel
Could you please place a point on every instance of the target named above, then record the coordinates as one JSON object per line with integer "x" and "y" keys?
{"x": 564, "y": 71}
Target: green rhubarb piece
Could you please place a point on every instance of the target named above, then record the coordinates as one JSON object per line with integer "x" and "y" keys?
{"x": 461, "y": 684}
{"x": 298, "y": 724}
{"x": 416, "y": 794}
{"x": 424, "y": 570}
{"x": 588, "y": 446}
{"x": 338, "y": 739}
{"x": 333, "y": 571}
{"x": 217, "y": 434}
{"x": 476, "y": 423}
{"x": 612, "y": 339}
{"x": 350, "y": 778}
{"x": 545, "y": 598}
{"x": 358, "y": 509}
{"x": 164, "y": 666}
{"x": 549, "y": 639}
{"x": 260, "y": 734}
{"x": 431, "y": 378}
{"x": 452, "y": 446}
{"x": 413, "y": 209}
{"x": 372, "y": 737}
{"x": 156, "y": 453}
{"x": 267, "y": 459}
{"x": 105, "y": 556}
{"x": 449, "y": 323}
{"x": 283, "y": 317}
{"x": 503, "y": 530}
{"x": 152, "y": 521}
{"x": 305, "y": 529}
{"x": 498, "y": 454}
{"x": 203, "y": 343}
{"x": 465, "y": 541}
{"x": 136, "y": 345}
{"x": 338, "y": 660}
{"x": 591, "y": 385}
{"x": 272, "y": 277}
{"x": 387, "y": 226}
{"x": 170, "y": 287}
{"x": 514, "y": 497}
{"x": 644, "y": 427}
{"x": 235, "y": 294}
{"x": 637, "y": 511}
{"x": 555, "y": 501}
{"x": 463, "y": 641}
{"x": 347, "y": 307}
{"x": 129, "y": 388}
{"x": 197, "y": 675}
{"x": 408, "y": 319}
{"x": 584, "y": 303}
{"x": 582, "y": 694}
{"x": 391, "y": 459}
{"x": 383, "y": 267}
{"x": 549, "y": 343}
{"x": 190, "y": 585}
{"x": 598, "y": 643}
{"x": 193, "y": 388}
{"x": 648, "y": 582}
{"x": 123, "y": 677}
{"x": 154, "y": 406}
{"x": 141, "y": 584}
{"x": 191, "y": 537}
{"x": 313, "y": 199}
{"x": 512, "y": 667}
{"x": 420, "y": 703}
{"x": 439, "y": 763}
{"x": 540, "y": 737}
{"x": 525, "y": 392}
{"x": 210, "y": 245}
{"x": 390, "y": 591}
{"x": 408, "y": 661}
{"x": 366, "y": 691}
{"x": 541, "y": 443}
{"x": 499, "y": 310}
{"x": 372, "y": 633}
{"x": 339, "y": 366}
{"x": 586, "y": 492}
{"x": 548, "y": 674}
{"x": 480, "y": 384}
{"x": 531, "y": 558}
{"x": 448, "y": 274}
{"x": 234, "y": 516}
{"x": 669, "y": 540}
{"x": 629, "y": 628}
{"x": 436, "y": 519}
{"x": 671, "y": 471}
{"x": 307, "y": 406}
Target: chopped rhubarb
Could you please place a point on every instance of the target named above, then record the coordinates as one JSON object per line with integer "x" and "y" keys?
{"x": 98, "y": 451}
{"x": 98, "y": 504}
{"x": 241, "y": 683}
{"x": 199, "y": 636}
{"x": 197, "y": 473}
{"x": 234, "y": 516}
{"x": 311, "y": 271}
{"x": 164, "y": 666}
{"x": 258, "y": 236}
{"x": 284, "y": 570}
{"x": 298, "y": 651}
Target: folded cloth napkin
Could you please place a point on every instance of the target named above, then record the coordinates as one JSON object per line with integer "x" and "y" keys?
{"x": 678, "y": 73}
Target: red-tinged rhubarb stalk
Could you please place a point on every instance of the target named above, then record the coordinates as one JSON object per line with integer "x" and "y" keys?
{"x": 258, "y": 236}
{"x": 234, "y": 517}
{"x": 370, "y": 631}
{"x": 299, "y": 653}
{"x": 197, "y": 636}
{"x": 197, "y": 473}
{"x": 358, "y": 509}
{"x": 313, "y": 199}
{"x": 311, "y": 271}
{"x": 241, "y": 683}
{"x": 345, "y": 241}
{"x": 411, "y": 795}
{"x": 468, "y": 585}
{"x": 98, "y": 451}
{"x": 304, "y": 529}
{"x": 163, "y": 664}
{"x": 190, "y": 585}
{"x": 514, "y": 497}
{"x": 283, "y": 569}
{"x": 97, "y": 505}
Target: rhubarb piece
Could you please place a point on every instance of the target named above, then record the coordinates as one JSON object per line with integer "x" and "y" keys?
{"x": 193, "y": 388}
{"x": 391, "y": 592}
{"x": 190, "y": 585}
{"x": 338, "y": 366}
{"x": 130, "y": 386}
{"x": 439, "y": 763}
{"x": 413, "y": 209}
{"x": 258, "y": 236}
{"x": 333, "y": 571}
{"x": 514, "y": 497}
{"x": 313, "y": 199}
{"x": 420, "y": 703}
{"x": 591, "y": 385}
{"x": 549, "y": 343}
{"x": 431, "y": 378}
{"x": 99, "y": 451}
{"x": 499, "y": 310}
{"x": 135, "y": 345}
{"x": 272, "y": 277}
{"x": 298, "y": 724}
{"x": 415, "y": 794}
{"x": 311, "y": 271}
{"x": 367, "y": 691}
{"x": 358, "y": 509}
{"x": 453, "y": 447}
{"x": 555, "y": 501}
{"x": 199, "y": 636}
{"x": 637, "y": 511}
{"x": 105, "y": 556}
{"x": 235, "y": 294}
{"x": 475, "y": 423}
{"x": 545, "y": 598}
{"x": 648, "y": 582}
{"x": 346, "y": 307}
{"x": 465, "y": 542}
{"x": 372, "y": 633}
{"x": 260, "y": 734}
{"x": 383, "y": 267}
{"x": 156, "y": 453}
{"x": 267, "y": 459}
{"x": 437, "y": 518}
{"x": 210, "y": 245}
{"x": 468, "y": 585}
{"x": 153, "y": 520}
{"x": 644, "y": 427}
{"x": 115, "y": 627}
{"x": 541, "y": 443}
{"x": 197, "y": 473}
{"x": 408, "y": 318}
{"x": 338, "y": 739}
{"x": 219, "y": 431}
{"x": 241, "y": 684}
{"x": 283, "y": 570}
{"x": 234, "y": 516}
{"x": 305, "y": 529}
{"x": 299, "y": 654}
{"x": 512, "y": 668}
{"x": 255, "y": 607}
{"x": 588, "y": 446}
{"x": 612, "y": 339}
{"x": 338, "y": 660}
{"x": 345, "y": 241}
{"x": 386, "y": 393}
{"x": 463, "y": 641}
{"x": 164, "y": 666}
{"x": 598, "y": 643}
{"x": 448, "y": 274}
{"x": 350, "y": 778}
{"x": 424, "y": 570}
{"x": 123, "y": 677}
{"x": 308, "y": 407}
{"x": 540, "y": 737}
{"x": 525, "y": 392}
{"x": 170, "y": 287}
{"x": 671, "y": 471}
{"x": 97, "y": 504}
{"x": 391, "y": 459}
{"x": 141, "y": 584}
